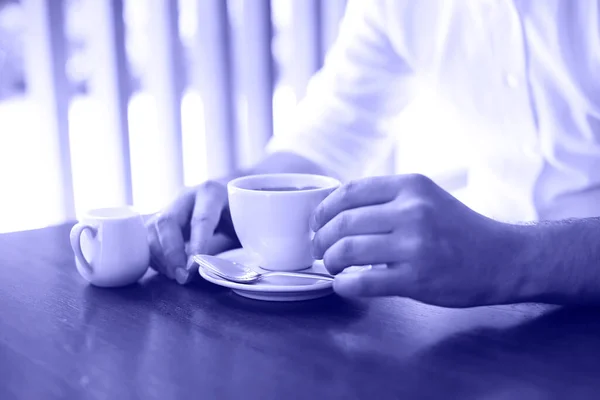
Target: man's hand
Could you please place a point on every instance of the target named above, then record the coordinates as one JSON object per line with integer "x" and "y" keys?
{"x": 199, "y": 217}
{"x": 437, "y": 250}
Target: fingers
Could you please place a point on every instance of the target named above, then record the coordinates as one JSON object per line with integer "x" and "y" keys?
{"x": 200, "y": 210}
{"x": 358, "y": 250}
{"x": 181, "y": 208}
{"x": 172, "y": 243}
{"x": 358, "y": 221}
{"x": 211, "y": 199}
{"x": 165, "y": 235}
{"x": 157, "y": 261}
{"x": 185, "y": 275}
{"x": 217, "y": 244}
{"x": 366, "y": 192}
{"x": 375, "y": 249}
{"x": 375, "y": 282}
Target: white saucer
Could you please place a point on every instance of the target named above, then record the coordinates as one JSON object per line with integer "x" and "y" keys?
{"x": 272, "y": 288}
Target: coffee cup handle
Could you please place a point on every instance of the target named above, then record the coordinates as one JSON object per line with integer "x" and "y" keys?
{"x": 75, "y": 237}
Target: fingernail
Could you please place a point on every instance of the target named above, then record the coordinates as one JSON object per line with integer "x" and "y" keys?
{"x": 182, "y": 276}
{"x": 313, "y": 222}
{"x": 190, "y": 261}
{"x": 346, "y": 284}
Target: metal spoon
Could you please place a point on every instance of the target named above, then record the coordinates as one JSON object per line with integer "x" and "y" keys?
{"x": 239, "y": 273}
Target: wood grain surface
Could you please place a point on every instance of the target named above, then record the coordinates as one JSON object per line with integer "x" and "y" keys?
{"x": 61, "y": 338}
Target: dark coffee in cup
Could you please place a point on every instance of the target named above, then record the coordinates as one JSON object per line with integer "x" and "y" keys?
{"x": 287, "y": 188}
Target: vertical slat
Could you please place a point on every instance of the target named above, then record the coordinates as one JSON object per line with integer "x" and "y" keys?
{"x": 213, "y": 76}
{"x": 110, "y": 85}
{"x": 165, "y": 82}
{"x": 306, "y": 42}
{"x": 256, "y": 80}
{"x": 45, "y": 48}
{"x": 332, "y": 12}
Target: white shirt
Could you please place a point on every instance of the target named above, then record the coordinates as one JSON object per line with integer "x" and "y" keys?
{"x": 526, "y": 74}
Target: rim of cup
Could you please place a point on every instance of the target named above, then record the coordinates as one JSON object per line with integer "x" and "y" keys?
{"x": 115, "y": 212}
{"x": 322, "y": 182}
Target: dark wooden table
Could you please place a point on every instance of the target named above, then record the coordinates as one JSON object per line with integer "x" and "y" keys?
{"x": 63, "y": 339}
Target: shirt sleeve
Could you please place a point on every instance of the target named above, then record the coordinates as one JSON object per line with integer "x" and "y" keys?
{"x": 342, "y": 122}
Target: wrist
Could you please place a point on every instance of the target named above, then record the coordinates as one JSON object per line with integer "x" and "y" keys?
{"x": 533, "y": 280}
{"x": 559, "y": 262}
{"x": 512, "y": 252}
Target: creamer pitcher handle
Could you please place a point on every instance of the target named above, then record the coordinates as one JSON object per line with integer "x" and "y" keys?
{"x": 75, "y": 237}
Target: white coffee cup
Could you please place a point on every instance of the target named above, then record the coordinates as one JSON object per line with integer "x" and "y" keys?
{"x": 111, "y": 247}
{"x": 273, "y": 223}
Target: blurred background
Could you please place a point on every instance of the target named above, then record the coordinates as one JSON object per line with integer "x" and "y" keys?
{"x": 112, "y": 102}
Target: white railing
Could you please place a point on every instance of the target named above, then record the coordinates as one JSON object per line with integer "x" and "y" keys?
{"x": 211, "y": 71}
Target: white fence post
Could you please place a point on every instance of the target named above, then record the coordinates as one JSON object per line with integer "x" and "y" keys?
{"x": 47, "y": 86}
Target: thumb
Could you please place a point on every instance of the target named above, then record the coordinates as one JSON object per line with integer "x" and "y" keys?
{"x": 210, "y": 201}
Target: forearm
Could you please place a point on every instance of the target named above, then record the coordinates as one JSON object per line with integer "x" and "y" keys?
{"x": 562, "y": 262}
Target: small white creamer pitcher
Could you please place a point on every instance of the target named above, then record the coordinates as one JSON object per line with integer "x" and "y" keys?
{"x": 111, "y": 247}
